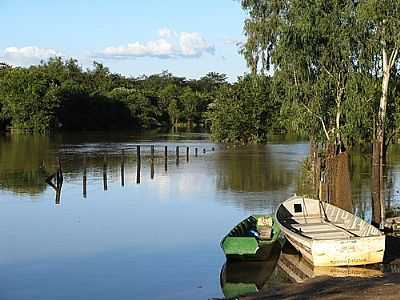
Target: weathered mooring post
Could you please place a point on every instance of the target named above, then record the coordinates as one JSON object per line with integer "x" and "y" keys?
{"x": 187, "y": 154}
{"x": 166, "y": 158}
{"x": 152, "y": 162}
{"x": 105, "y": 172}
{"x": 84, "y": 179}
{"x": 57, "y": 185}
{"x": 123, "y": 168}
{"x": 138, "y": 164}
{"x": 59, "y": 182}
{"x": 177, "y": 155}
{"x": 195, "y": 152}
{"x": 204, "y": 150}
{"x": 152, "y": 152}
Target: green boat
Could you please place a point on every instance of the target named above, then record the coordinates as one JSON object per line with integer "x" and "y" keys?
{"x": 251, "y": 239}
{"x": 239, "y": 278}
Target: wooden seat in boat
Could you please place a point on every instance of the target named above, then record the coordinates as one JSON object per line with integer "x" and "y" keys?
{"x": 265, "y": 232}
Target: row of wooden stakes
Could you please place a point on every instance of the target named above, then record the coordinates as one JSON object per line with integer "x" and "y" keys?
{"x": 56, "y": 180}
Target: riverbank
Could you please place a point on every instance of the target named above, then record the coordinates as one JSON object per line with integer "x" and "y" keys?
{"x": 328, "y": 288}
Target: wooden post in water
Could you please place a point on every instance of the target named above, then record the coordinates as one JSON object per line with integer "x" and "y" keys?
{"x": 105, "y": 172}
{"x": 177, "y": 155}
{"x": 152, "y": 152}
{"x": 166, "y": 158}
{"x": 123, "y": 168}
{"x": 195, "y": 152}
{"x": 204, "y": 150}
{"x": 59, "y": 182}
{"x": 84, "y": 179}
{"x": 138, "y": 164}
{"x": 152, "y": 162}
{"x": 187, "y": 154}
{"x": 212, "y": 149}
{"x": 60, "y": 177}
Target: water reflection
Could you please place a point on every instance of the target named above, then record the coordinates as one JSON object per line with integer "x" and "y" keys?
{"x": 243, "y": 277}
{"x": 252, "y": 169}
{"x": 25, "y": 163}
{"x": 360, "y": 171}
{"x": 267, "y": 174}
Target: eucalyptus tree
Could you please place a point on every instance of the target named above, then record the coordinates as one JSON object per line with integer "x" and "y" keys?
{"x": 309, "y": 46}
{"x": 262, "y": 29}
{"x": 379, "y": 52}
{"x": 379, "y": 56}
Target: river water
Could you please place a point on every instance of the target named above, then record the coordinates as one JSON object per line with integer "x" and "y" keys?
{"x": 156, "y": 239}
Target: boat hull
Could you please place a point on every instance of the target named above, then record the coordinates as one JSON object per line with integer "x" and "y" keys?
{"x": 348, "y": 252}
{"x": 237, "y": 245}
{"x": 326, "y": 235}
{"x": 299, "y": 269}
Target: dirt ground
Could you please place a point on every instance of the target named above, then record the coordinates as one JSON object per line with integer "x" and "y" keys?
{"x": 386, "y": 287}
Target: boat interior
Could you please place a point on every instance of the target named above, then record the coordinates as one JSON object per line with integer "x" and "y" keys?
{"x": 264, "y": 229}
{"x": 319, "y": 220}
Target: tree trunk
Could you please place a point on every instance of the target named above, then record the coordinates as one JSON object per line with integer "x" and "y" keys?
{"x": 339, "y": 95}
{"x": 379, "y": 149}
{"x": 376, "y": 185}
{"x": 341, "y": 192}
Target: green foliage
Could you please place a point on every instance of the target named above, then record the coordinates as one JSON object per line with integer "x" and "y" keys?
{"x": 326, "y": 58}
{"x": 58, "y": 94}
{"x": 243, "y": 112}
{"x": 29, "y": 99}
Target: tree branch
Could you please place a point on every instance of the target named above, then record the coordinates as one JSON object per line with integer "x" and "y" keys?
{"x": 326, "y": 70}
{"x": 393, "y": 57}
{"x": 320, "y": 118}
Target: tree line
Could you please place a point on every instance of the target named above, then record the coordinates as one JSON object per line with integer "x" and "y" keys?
{"x": 59, "y": 94}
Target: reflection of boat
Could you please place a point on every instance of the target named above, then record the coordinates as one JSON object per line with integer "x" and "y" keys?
{"x": 252, "y": 238}
{"x": 299, "y": 269}
{"x": 244, "y": 277}
{"x": 327, "y": 235}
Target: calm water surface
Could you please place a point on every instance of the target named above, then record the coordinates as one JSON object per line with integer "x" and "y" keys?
{"x": 155, "y": 240}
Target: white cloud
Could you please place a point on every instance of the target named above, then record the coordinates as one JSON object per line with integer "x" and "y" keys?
{"x": 166, "y": 33}
{"x": 170, "y": 44}
{"x": 160, "y": 48}
{"x": 26, "y": 56}
{"x": 193, "y": 44}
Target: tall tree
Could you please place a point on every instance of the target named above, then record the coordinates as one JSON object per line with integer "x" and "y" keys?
{"x": 379, "y": 54}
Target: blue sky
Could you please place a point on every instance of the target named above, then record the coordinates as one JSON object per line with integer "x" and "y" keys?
{"x": 187, "y": 38}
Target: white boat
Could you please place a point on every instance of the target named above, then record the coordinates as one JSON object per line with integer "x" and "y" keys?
{"x": 300, "y": 270}
{"x": 326, "y": 235}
